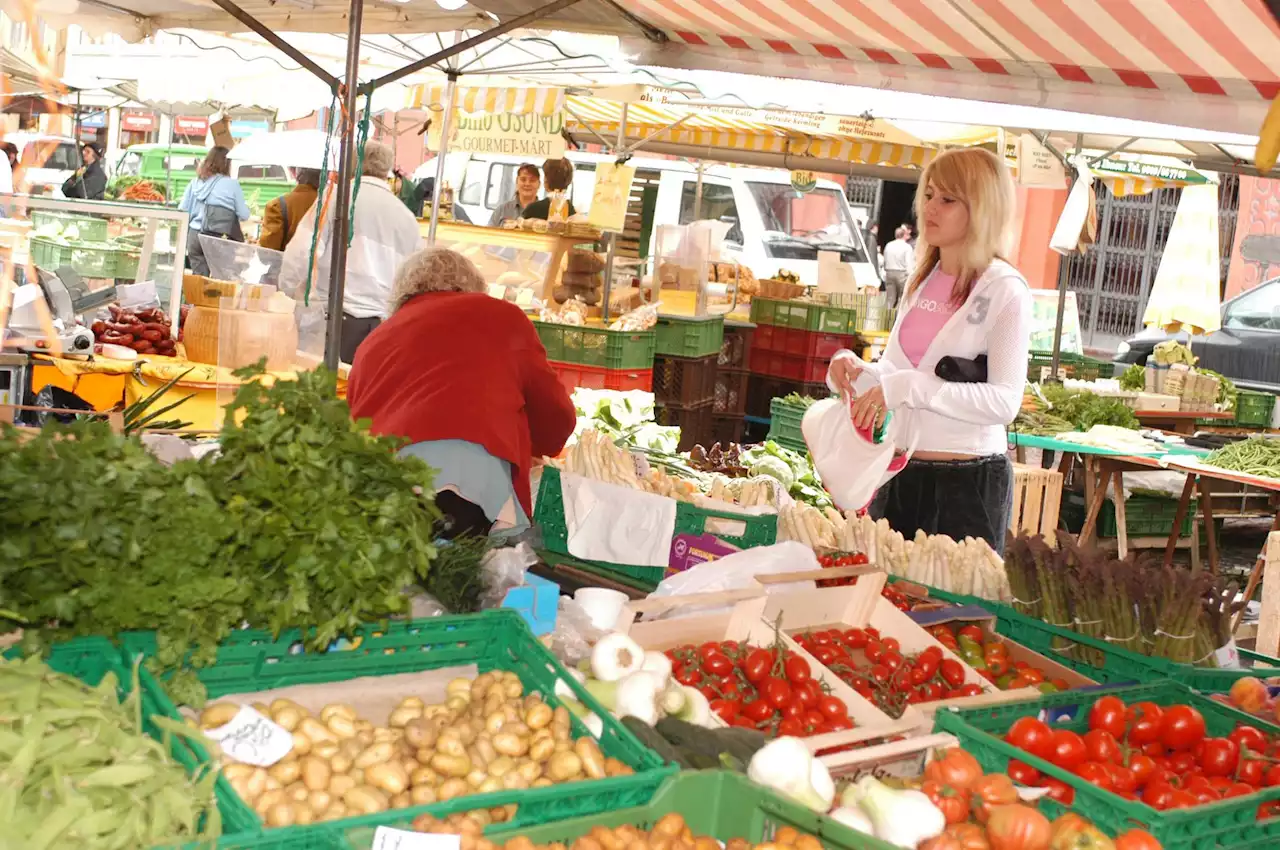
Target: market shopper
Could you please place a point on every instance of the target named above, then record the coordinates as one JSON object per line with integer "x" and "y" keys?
{"x": 282, "y": 217}
{"x": 216, "y": 206}
{"x": 464, "y": 378}
{"x": 528, "y": 182}
{"x": 899, "y": 261}
{"x": 558, "y": 174}
{"x": 89, "y": 180}
{"x": 962, "y": 300}
{"x": 383, "y": 234}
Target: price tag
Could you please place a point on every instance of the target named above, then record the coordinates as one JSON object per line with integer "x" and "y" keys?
{"x": 253, "y": 739}
{"x": 1228, "y": 657}
{"x": 386, "y": 838}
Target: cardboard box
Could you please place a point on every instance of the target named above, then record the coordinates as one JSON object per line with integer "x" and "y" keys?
{"x": 221, "y": 132}
{"x": 746, "y": 623}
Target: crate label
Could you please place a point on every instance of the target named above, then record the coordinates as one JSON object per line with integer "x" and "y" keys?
{"x": 642, "y": 465}
{"x": 253, "y": 739}
{"x": 1228, "y": 657}
{"x": 386, "y": 838}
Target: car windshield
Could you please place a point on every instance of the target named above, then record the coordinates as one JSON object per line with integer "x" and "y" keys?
{"x": 797, "y": 226}
{"x": 1258, "y": 309}
{"x": 50, "y": 153}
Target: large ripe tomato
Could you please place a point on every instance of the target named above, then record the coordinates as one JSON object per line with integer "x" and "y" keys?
{"x": 1032, "y": 735}
{"x": 797, "y": 670}
{"x": 1181, "y": 727}
{"x": 756, "y": 666}
{"x": 1018, "y": 827}
{"x": 1102, "y": 746}
{"x": 1137, "y": 839}
{"x": 1072, "y": 832}
{"x": 1249, "y": 738}
{"x": 1068, "y": 750}
{"x": 1107, "y": 714}
{"x": 1058, "y": 790}
{"x": 1144, "y": 720}
{"x": 1219, "y": 757}
{"x": 956, "y": 768}
{"x": 989, "y": 792}
{"x": 951, "y": 801}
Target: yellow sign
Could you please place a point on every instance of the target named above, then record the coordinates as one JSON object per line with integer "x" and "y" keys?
{"x": 534, "y": 137}
{"x": 804, "y": 182}
{"x": 611, "y": 196}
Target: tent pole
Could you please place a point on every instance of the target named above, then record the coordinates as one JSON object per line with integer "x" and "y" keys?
{"x": 446, "y": 128}
{"x": 341, "y": 213}
{"x": 697, "y": 192}
{"x": 613, "y": 237}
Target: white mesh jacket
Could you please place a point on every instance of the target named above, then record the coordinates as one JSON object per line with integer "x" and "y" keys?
{"x": 943, "y": 416}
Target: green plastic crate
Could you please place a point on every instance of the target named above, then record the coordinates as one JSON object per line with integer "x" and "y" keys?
{"x": 98, "y": 262}
{"x": 49, "y": 256}
{"x": 1228, "y": 823}
{"x": 741, "y": 530}
{"x": 1254, "y": 409}
{"x": 681, "y": 336}
{"x": 89, "y": 659}
{"x": 498, "y": 639}
{"x": 804, "y": 316}
{"x": 91, "y": 229}
{"x": 716, "y": 803}
{"x": 785, "y": 420}
{"x": 1070, "y": 365}
{"x": 1145, "y": 516}
{"x": 599, "y": 347}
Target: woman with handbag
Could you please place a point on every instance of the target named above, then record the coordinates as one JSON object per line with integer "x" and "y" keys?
{"x": 215, "y": 205}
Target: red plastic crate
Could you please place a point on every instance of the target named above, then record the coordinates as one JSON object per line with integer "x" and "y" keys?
{"x": 685, "y": 381}
{"x": 735, "y": 351}
{"x": 792, "y": 367}
{"x": 575, "y": 375}
{"x": 768, "y": 338}
{"x": 802, "y": 343}
{"x": 731, "y": 392}
{"x": 695, "y": 423}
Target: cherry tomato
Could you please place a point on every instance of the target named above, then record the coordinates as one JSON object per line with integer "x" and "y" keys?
{"x": 717, "y": 663}
{"x": 1102, "y": 746}
{"x": 1181, "y": 727}
{"x": 952, "y": 672}
{"x": 744, "y": 722}
{"x": 1107, "y": 714}
{"x": 891, "y": 660}
{"x": 1058, "y": 790}
{"x": 874, "y": 650}
{"x": 807, "y": 692}
{"x": 1272, "y": 777}
{"x": 855, "y": 638}
{"x": 891, "y": 644}
{"x": 1122, "y": 778}
{"x": 776, "y": 691}
{"x": 756, "y": 666}
{"x": 1068, "y": 750}
{"x": 1032, "y": 735}
{"x": 1219, "y": 757}
{"x": 927, "y": 666}
{"x": 687, "y": 675}
{"x": 793, "y": 708}
{"x": 1095, "y": 773}
{"x": 758, "y": 710}
{"x": 1251, "y": 771}
{"x": 969, "y": 690}
{"x": 1144, "y": 719}
{"x": 832, "y": 708}
{"x": 879, "y": 674}
{"x": 1182, "y": 762}
{"x": 1238, "y": 789}
{"x": 824, "y": 654}
{"x": 1249, "y": 738}
{"x": 797, "y": 670}
{"x": 917, "y": 677}
{"x": 791, "y": 726}
{"x": 1023, "y": 774}
{"x": 710, "y": 648}
{"x": 726, "y": 709}
{"x": 1142, "y": 767}
{"x": 839, "y": 724}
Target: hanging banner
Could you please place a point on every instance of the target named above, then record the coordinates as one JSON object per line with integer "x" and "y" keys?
{"x": 1037, "y": 166}
{"x": 534, "y": 137}
{"x": 1141, "y": 168}
{"x": 611, "y": 195}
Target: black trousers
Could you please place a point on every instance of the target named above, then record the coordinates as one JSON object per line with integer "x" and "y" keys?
{"x": 353, "y": 333}
{"x": 958, "y": 498}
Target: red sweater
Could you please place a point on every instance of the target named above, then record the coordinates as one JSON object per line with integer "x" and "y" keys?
{"x": 463, "y": 366}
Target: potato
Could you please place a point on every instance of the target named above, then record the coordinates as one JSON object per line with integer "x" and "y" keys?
{"x": 218, "y": 714}
{"x": 315, "y": 773}
{"x": 592, "y": 759}
{"x": 297, "y": 793}
{"x": 541, "y": 782}
{"x": 529, "y": 770}
{"x": 388, "y": 776}
{"x": 281, "y": 814}
{"x": 452, "y": 788}
{"x": 488, "y": 785}
{"x": 510, "y": 744}
{"x": 670, "y": 825}
{"x": 366, "y": 738}
{"x": 500, "y": 766}
{"x": 375, "y": 754}
{"x": 450, "y": 743}
{"x": 512, "y": 688}
{"x": 241, "y": 786}
{"x": 340, "y": 763}
{"x": 268, "y": 799}
{"x": 420, "y": 732}
{"x": 340, "y": 784}
{"x": 476, "y": 776}
{"x": 338, "y": 709}
{"x": 538, "y": 716}
{"x": 285, "y": 772}
{"x": 257, "y": 782}
{"x": 421, "y": 795}
{"x": 484, "y": 750}
{"x": 493, "y": 722}
{"x": 365, "y": 800}
{"x": 449, "y": 765}
{"x": 303, "y": 815}
{"x": 515, "y": 781}
{"x": 403, "y": 716}
{"x": 424, "y": 776}
{"x": 459, "y": 686}
{"x": 357, "y": 773}
{"x": 412, "y": 702}
{"x": 316, "y": 731}
{"x": 319, "y": 801}
{"x": 541, "y": 749}
{"x": 564, "y": 767}
{"x": 337, "y": 811}
{"x": 272, "y": 784}
{"x": 301, "y": 744}
{"x": 342, "y": 726}
{"x": 288, "y": 717}
{"x": 262, "y": 708}
{"x": 238, "y": 770}
{"x": 457, "y": 703}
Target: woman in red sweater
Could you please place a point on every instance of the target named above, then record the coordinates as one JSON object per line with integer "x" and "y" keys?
{"x": 464, "y": 379}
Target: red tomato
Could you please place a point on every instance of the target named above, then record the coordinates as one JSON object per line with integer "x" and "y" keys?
{"x": 855, "y": 638}
{"x": 717, "y": 663}
{"x": 758, "y": 710}
{"x": 807, "y": 692}
{"x": 1095, "y": 774}
{"x": 891, "y": 660}
{"x": 839, "y": 724}
{"x": 791, "y": 726}
{"x": 1238, "y": 789}
{"x": 824, "y": 654}
{"x": 1058, "y": 790}
{"x": 1107, "y": 714}
{"x": 776, "y": 691}
{"x": 1272, "y": 777}
{"x": 972, "y": 632}
{"x": 726, "y": 709}
{"x": 1102, "y": 745}
{"x": 756, "y": 666}
{"x": 1182, "y": 762}
{"x": 1249, "y": 738}
{"x": 1123, "y": 779}
{"x": 793, "y": 708}
{"x": 1144, "y": 720}
{"x": 926, "y": 665}
{"x": 952, "y": 672}
{"x": 1219, "y": 757}
{"x": 687, "y": 675}
{"x": 797, "y": 670}
{"x": 932, "y": 691}
{"x": 1142, "y": 767}
{"x": 879, "y": 674}
{"x": 744, "y": 722}
{"x": 1023, "y": 774}
{"x": 1032, "y": 735}
{"x": 874, "y": 650}
{"x": 891, "y": 644}
{"x": 1157, "y": 795}
{"x": 813, "y": 717}
{"x": 832, "y": 708}
{"x": 969, "y": 690}
{"x": 1181, "y": 727}
{"x": 1251, "y": 771}
{"x": 1068, "y": 750}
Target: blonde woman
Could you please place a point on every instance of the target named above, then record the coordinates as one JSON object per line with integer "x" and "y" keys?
{"x": 962, "y": 300}
{"x": 463, "y": 378}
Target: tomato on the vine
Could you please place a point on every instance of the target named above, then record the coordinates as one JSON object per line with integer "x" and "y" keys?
{"x": 1095, "y": 774}
{"x": 1023, "y": 774}
{"x": 1219, "y": 757}
{"x": 758, "y": 710}
{"x": 892, "y": 660}
{"x": 791, "y": 726}
{"x": 1142, "y": 767}
{"x": 832, "y": 708}
{"x": 717, "y": 664}
{"x": 1102, "y": 746}
{"x": 756, "y": 666}
{"x": 1058, "y": 790}
{"x": 726, "y": 709}
{"x": 952, "y": 672}
{"x": 1144, "y": 719}
{"x": 1107, "y": 714}
{"x": 1181, "y": 727}
{"x": 1032, "y": 735}
{"x": 1249, "y": 738}
{"x": 855, "y": 638}
{"x": 776, "y": 691}
{"x": 688, "y": 675}
{"x": 797, "y": 670}
{"x": 1068, "y": 751}
{"x": 874, "y": 651}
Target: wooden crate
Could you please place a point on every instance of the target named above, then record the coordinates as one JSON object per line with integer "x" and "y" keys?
{"x": 1037, "y": 498}
{"x": 746, "y": 622}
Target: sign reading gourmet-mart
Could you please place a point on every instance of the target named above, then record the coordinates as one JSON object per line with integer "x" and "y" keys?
{"x": 534, "y": 137}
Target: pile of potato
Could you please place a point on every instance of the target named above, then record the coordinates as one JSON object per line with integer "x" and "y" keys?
{"x": 486, "y": 736}
{"x": 669, "y": 833}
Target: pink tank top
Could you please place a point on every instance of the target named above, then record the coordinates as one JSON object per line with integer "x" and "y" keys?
{"x": 931, "y": 311}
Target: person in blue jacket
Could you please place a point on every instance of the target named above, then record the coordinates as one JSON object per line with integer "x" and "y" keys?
{"x": 216, "y": 207}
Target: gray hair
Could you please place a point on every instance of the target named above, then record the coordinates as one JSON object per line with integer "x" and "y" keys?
{"x": 434, "y": 270}
{"x": 901, "y": 232}
{"x": 379, "y": 159}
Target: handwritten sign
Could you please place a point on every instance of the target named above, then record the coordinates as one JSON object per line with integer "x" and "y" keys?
{"x": 386, "y": 838}
{"x": 253, "y": 739}
{"x": 1228, "y": 657}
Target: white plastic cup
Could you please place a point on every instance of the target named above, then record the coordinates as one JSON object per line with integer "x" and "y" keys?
{"x": 602, "y": 605}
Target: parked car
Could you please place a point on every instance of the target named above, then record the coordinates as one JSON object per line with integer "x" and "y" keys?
{"x": 45, "y": 161}
{"x": 1245, "y": 349}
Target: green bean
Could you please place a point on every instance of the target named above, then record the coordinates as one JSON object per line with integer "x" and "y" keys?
{"x": 1255, "y": 456}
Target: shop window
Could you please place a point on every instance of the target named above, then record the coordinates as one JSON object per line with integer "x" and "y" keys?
{"x": 717, "y": 205}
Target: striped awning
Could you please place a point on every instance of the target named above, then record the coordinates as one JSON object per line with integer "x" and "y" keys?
{"x": 691, "y": 124}
{"x": 1212, "y": 64}
{"x": 536, "y": 100}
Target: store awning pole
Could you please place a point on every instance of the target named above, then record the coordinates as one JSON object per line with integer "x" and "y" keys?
{"x": 342, "y": 200}
{"x": 697, "y": 193}
{"x": 613, "y": 237}
{"x": 446, "y": 128}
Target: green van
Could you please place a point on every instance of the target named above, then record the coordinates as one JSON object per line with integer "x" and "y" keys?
{"x": 169, "y": 167}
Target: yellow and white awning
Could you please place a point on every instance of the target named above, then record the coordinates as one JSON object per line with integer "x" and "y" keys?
{"x": 535, "y": 100}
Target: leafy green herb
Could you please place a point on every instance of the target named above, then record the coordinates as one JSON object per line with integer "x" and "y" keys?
{"x": 1084, "y": 409}
{"x": 1134, "y": 378}
{"x": 455, "y": 579}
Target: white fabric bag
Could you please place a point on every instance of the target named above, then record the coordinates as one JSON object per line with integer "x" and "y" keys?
{"x": 853, "y": 463}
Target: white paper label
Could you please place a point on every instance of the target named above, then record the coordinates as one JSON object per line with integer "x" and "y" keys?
{"x": 1228, "y": 657}
{"x": 253, "y": 739}
{"x": 386, "y": 838}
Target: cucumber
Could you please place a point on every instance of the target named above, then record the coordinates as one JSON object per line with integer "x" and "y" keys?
{"x": 652, "y": 739}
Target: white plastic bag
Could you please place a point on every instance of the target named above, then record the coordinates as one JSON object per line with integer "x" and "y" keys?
{"x": 851, "y": 462}
{"x": 503, "y": 569}
{"x": 1066, "y": 236}
{"x": 738, "y": 571}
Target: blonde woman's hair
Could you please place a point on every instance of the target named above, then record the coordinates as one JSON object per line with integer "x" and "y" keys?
{"x": 981, "y": 181}
{"x": 434, "y": 270}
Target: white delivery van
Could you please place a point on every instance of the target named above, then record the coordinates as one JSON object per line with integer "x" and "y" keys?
{"x": 773, "y": 225}
{"x": 46, "y": 161}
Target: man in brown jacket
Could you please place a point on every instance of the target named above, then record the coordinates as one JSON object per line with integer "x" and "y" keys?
{"x": 281, "y": 217}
